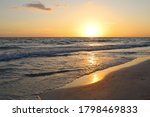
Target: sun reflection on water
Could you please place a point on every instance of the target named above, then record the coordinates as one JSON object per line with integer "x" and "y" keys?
{"x": 91, "y": 59}
{"x": 100, "y": 75}
{"x": 96, "y": 44}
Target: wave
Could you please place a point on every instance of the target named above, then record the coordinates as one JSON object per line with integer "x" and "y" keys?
{"x": 61, "y": 51}
{"x": 64, "y": 40}
{"x": 9, "y": 47}
{"x": 49, "y": 73}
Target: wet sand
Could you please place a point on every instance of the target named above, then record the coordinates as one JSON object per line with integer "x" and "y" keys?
{"x": 128, "y": 82}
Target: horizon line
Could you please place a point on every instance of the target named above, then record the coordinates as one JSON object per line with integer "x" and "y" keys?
{"x": 71, "y": 37}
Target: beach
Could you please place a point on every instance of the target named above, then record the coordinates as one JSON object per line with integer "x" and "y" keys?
{"x": 31, "y": 66}
{"x": 126, "y": 82}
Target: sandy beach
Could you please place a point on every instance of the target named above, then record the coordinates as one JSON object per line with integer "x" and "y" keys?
{"x": 130, "y": 81}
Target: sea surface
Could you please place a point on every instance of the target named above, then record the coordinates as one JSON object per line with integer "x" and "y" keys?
{"x": 30, "y": 66}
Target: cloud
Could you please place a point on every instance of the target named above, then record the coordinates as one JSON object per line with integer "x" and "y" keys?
{"x": 37, "y": 5}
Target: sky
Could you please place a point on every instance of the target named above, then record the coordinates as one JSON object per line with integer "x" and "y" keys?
{"x": 75, "y": 18}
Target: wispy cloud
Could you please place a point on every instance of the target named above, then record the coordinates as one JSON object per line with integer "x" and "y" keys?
{"x": 37, "y": 5}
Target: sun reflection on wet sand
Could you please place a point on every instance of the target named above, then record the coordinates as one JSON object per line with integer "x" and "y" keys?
{"x": 95, "y": 77}
{"x": 86, "y": 80}
{"x": 100, "y": 75}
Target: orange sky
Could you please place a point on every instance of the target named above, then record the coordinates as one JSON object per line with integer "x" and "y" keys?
{"x": 46, "y": 18}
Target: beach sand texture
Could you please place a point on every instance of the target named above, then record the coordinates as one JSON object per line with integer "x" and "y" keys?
{"x": 128, "y": 81}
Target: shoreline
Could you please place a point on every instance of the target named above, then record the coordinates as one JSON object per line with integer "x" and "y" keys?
{"x": 127, "y": 81}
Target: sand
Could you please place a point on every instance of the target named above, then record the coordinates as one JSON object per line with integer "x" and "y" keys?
{"x": 129, "y": 82}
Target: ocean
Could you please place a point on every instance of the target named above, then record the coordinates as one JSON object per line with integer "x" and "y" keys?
{"x": 32, "y": 65}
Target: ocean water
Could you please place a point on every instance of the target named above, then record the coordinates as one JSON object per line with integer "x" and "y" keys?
{"x": 30, "y": 66}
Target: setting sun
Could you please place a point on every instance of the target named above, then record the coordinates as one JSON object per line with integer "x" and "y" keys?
{"x": 91, "y": 30}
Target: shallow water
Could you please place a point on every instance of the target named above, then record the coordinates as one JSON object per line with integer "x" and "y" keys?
{"x": 100, "y": 75}
{"x": 29, "y": 66}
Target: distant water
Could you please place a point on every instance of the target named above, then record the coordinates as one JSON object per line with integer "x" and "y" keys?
{"x": 29, "y": 66}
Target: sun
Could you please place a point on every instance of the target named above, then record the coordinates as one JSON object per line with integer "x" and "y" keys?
{"x": 91, "y": 30}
